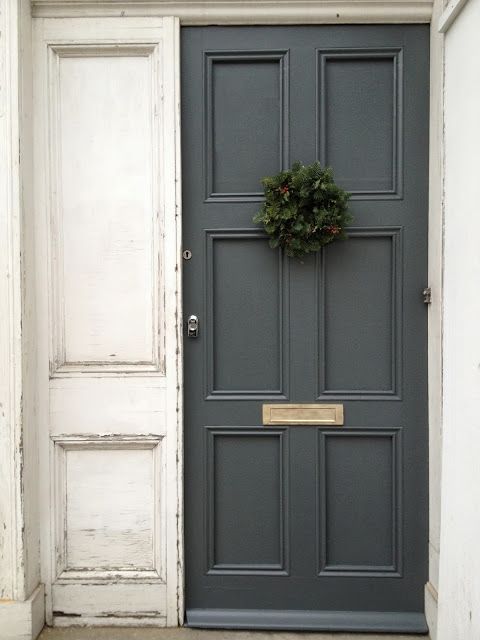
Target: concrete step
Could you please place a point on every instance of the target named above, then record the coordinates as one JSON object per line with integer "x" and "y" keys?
{"x": 110, "y": 633}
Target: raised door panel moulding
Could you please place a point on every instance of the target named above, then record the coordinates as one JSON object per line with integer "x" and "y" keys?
{"x": 377, "y": 335}
{"x": 373, "y": 486}
{"x": 258, "y": 458}
{"x": 109, "y": 508}
{"x": 199, "y": 12}
{"x": 265, "y": 337}
{"x": 378, "y": 73}
{"x": 105, "y": 208}
{"x": 229, "y": 119}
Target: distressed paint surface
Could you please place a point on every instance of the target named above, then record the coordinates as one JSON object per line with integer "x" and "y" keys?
{"x": 108, "y": 283}
{"x": 119, "y": 405}
{"x": 106, "y": 224}
{"x": 11, "y": 553}
{"x": 109, "y": 513}
{"x": 21, "y": 597}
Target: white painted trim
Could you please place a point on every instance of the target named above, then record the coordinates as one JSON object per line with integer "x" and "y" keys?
{"x": 21, "y": 616}
{"x": 23, "y": 620}
{"x": 12, "y": 581}
{"x": 431, "y": 609}
{"x": 234, "y": 12}
{"x": 451, "y": 13}
{"x": 435, "y": 311}
{"x": 174, "y": 328}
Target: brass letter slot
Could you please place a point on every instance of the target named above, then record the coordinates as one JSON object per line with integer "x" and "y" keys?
{"x": 303, "y": 414}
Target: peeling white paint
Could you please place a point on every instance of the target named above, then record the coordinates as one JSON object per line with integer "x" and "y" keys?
{"x": 21, "y": 597}
{"x": 108, "y": 245}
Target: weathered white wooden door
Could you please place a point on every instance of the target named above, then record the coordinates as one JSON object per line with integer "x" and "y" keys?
{"x": 107, "y": 167}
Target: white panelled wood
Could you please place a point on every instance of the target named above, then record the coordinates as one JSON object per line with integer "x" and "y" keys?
{"x": 124, "y": 404}
{"x": 108, "y": 607}
{"x": 108, "y": 246}
{"x": 105, "y": 222}
{"x": 108, "y": 505}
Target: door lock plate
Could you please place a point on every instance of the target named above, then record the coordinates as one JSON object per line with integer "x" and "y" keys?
{"x": 192, "y": 327}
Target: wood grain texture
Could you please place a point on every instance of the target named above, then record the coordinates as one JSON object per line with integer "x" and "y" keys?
{"x": 108, "y": 500}
{"x": 109, "y": 290}
{"x": 12, "y": 560}
{"x": 118, "y": 405}
{"x": 105, "y": 221}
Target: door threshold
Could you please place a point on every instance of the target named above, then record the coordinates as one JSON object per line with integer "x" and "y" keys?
{"x": 350, "y": 621}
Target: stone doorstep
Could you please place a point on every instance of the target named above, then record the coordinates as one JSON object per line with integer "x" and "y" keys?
{"x": 109, "y": 633}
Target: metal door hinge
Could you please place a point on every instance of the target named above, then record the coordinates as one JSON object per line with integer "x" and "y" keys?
{"x": 427, "y": 295}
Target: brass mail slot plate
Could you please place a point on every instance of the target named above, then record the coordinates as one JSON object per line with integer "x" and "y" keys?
{"x": 303, "y": 414}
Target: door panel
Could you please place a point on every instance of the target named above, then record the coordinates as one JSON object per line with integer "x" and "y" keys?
{"x": 247, "y": 476}
{"x": 107, "y": 249}
{"x": 367, "y": 160}
{"x": 366, "y": 497}
{"x": 361, "y": 357}
{"x": 252, "y": 363}
{"x": 306, "y": 527}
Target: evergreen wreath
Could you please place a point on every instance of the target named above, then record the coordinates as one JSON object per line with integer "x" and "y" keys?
{"x": 304, "y": 209}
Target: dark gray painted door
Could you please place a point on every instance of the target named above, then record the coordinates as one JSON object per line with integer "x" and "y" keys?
{"x": 306, "y": 527}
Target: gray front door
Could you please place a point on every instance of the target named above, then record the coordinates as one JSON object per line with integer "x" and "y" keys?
{"x": 306, "y": 527}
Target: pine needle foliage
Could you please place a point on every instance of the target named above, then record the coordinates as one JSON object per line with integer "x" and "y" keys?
{"x": 304, "y": 209}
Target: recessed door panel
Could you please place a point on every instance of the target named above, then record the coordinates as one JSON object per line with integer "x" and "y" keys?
{"x": 247, "y": 493}
{"x": 359, "y": 517}
{"x": 250, "y": 131}
{"x": 246, "y": 320}
{"x": 367, "y": 162}
{"x": 360, "y": 315}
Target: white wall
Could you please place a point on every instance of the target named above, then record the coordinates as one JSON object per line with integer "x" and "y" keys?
{"x": 459, "y": 594}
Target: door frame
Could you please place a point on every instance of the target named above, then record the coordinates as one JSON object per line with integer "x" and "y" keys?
{"x": 228, "y": 12}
